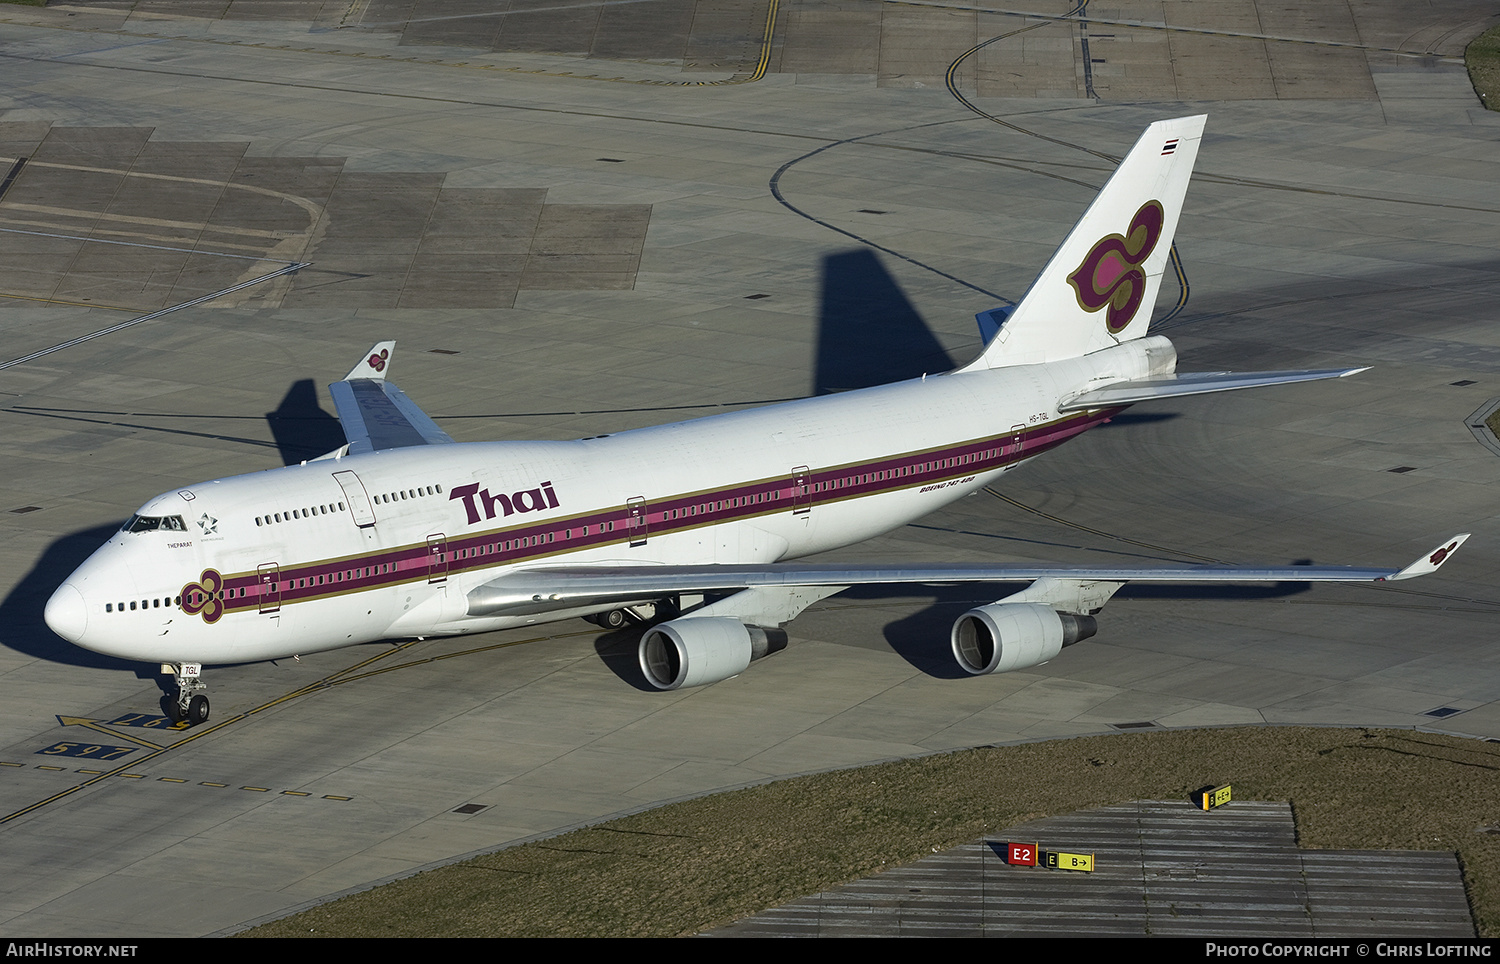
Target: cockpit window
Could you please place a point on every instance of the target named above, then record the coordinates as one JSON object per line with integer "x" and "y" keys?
{"x": 148, "y": 523}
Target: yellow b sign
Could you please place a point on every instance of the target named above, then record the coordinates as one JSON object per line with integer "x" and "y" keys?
{"x": 1216, "y": 797}
{"x": 1060, "y": 860}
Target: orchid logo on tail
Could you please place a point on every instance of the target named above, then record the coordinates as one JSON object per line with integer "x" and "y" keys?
{"x": 378, "y": 361}
{"x": 1111, "y": 272}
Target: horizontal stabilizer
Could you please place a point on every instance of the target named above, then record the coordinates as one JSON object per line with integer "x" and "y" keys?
{"x": 990, "y": 322}
{"x": 1191, "y": 383}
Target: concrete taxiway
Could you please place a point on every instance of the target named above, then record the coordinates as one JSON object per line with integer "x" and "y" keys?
{"x": 570, "y": 237}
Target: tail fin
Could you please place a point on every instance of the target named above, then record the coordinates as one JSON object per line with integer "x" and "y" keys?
{"x": 1099, "y": 288}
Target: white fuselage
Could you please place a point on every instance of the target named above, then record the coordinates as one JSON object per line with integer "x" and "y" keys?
{"x": 341, "y": 551}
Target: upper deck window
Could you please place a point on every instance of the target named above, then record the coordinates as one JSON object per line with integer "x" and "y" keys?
{"x": 148, "y": 523}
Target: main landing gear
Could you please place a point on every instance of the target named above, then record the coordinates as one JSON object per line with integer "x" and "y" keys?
{"x": 613, "y": 619}
{"x": 642, "y": 614}
{"x": 190, "y": 704}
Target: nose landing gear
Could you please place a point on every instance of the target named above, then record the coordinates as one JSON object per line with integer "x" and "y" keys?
{"x": 190, "y": 704}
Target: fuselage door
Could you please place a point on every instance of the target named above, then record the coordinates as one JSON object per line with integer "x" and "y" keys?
{"x": 1013, "y": 441}
{"x": 437, "y": 558}
{"x": 635, "y": 520}
{"x": 356, "y": 498}
{"x": 801, "y": 490}
{"x": 268, "y": 576}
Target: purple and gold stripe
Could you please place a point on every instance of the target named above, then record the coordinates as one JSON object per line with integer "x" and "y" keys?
{"x": 439, "y": 558}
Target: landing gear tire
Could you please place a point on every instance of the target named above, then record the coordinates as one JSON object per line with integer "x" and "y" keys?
{"x": 197, "y": 711}
{"x": 189, "y": 704}
{"x": 613, "y": 619}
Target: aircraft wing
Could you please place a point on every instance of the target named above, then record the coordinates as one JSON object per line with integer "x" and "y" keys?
{"x": 376, "y": 414}
{"x": 542, "y": 589}
{"x": 1192, "y": 383}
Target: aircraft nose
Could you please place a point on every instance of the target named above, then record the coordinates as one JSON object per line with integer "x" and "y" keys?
{"x": 66, "y": 614}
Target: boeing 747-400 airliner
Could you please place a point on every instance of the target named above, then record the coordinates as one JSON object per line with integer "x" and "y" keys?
{"x": 404, "y": 533}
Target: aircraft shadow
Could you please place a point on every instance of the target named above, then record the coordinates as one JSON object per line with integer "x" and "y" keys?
{"x": 301, "y": 428}
{"x": 923, "y": 637}
{"x": 1139, "y": 418}
{"x": 868, "y": 331}
{"x": 618, "y": 651}
{"x": 21, "y": 611}
{"x": 23, "y": 628}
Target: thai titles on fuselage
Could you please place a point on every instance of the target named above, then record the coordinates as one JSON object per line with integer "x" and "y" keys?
{"x": 477, "y": 500}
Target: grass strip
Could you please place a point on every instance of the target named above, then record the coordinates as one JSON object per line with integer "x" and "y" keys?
{"x": 1493, "y": 423}
{"x": 686, "y": 867}
{"x": 1482, "y": 57}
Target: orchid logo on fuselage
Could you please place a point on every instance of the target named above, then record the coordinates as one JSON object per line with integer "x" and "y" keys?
{"x": 477, "y": 500}
{"x": 205, "y": 597}
{"x": 1111, "y": 272}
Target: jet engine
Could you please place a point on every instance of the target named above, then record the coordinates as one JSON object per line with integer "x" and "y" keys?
{"x": 693, "y": 650}
{"x": 1002, "y": 636}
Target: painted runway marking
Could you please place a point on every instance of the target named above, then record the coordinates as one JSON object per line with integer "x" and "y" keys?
{"x": 91, "y": 724}
{"x": 155, "y": 314}
{"x": 92, "y": 751}
{"x": 146, "y": 721}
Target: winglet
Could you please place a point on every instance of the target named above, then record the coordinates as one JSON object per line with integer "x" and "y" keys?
{"x": 375, "y": 414}
{"x": 374, "y": 364}
{"x": 1431, "y": 561}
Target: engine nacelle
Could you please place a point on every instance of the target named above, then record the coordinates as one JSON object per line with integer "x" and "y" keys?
{"x": 1003, "y": 636}
{"x": 692, "y": 650}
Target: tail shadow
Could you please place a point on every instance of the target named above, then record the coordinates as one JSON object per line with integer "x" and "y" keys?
{"x": 868, "y": 332}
